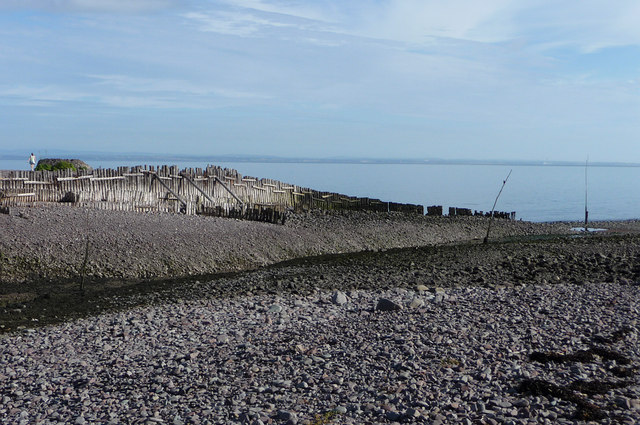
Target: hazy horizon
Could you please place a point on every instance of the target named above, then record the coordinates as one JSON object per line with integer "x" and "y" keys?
{"x": 18, "y": 155}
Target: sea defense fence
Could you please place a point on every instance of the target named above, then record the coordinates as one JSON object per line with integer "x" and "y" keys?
{"x": 212, "y": 191}
{"x": 466, "y": 212}
{"x": 436, "y": 210}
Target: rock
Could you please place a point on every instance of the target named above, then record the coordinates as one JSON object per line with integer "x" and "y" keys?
{"x": 393, "y": 416}
{"x": 412, "y": 413}
{"x": 422, "y": 288}
{"x": 623, "y": 402}
{"x": 416, "y": 303}
{"x": 523, "y": 402}
{"x": 501, "y": 403}
{"x": 288, "y": 416}
{"x": 403, "y": 376}
{"x": 385, "y": 304}
{"x": 276, "y": 308}
{"x": 340, "y": 410}
{"x": 339, "y": 298}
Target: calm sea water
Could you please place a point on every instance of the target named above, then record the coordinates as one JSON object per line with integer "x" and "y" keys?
{"x": 536, "y": 193}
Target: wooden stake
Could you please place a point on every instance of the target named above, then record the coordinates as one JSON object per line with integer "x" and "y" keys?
{"x": 184, "y": 176}
{"x": 228, "y": 190}
{"x": 159, "y": 180}
{"x": 486, "y": 238}
{"x": 586, "y": 211}
{"x": 83, "y": 271}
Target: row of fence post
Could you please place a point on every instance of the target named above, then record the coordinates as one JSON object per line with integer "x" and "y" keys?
{"x": 212, "y": 190}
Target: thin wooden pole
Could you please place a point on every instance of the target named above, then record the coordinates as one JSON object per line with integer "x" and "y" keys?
{"x": 85, "y": 260}
{"x": 486, "y": 238}
{"x": 586, "y": 186}
{"x": 228, "y": 190}
{"x": 83, "y": 269}
{"x": 188, "y": 179}
{"x": 155, "y": 176}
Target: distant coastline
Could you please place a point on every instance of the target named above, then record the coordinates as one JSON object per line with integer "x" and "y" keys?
{"x": 167, "y": 158}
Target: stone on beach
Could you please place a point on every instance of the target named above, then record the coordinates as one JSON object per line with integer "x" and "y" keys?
{"x": 274, "y": 345}
{"x": 416, "y": 303}
{"x": 339, "y": 298}
{"x": 385, "y": 304}
{"x": 133, "y": 245}
{"x": 327, "y": 363}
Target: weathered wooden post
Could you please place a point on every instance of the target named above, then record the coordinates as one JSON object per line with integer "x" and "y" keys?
{"x": 486, "y": 238}
{"x": 586, "y": 211}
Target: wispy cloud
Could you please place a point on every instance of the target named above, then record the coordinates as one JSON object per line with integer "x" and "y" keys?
{"x": 585, "y": 24}
{"x": 127, "y": 92}
{"x": 109, "y": 6}
{"x": 42, "y": 95}
{"x": 54, "y": 96}
{"x": 157, "y": 85}
{"x": 320, "y": 11}
{"x": 412, "y": 21}
{"x": 419, "y": 21}
{"x": 241, "y": 24}
{"x": 588, "y": 25}
{"x": 254, "y": 18}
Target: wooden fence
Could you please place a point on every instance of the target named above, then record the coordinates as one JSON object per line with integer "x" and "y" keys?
{"x": 211, "y": 191}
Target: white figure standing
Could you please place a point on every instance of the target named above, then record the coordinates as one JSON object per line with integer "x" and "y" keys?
{"x": 32, "y": 161}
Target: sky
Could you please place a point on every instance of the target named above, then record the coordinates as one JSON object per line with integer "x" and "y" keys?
{"x": 454, "y": 79}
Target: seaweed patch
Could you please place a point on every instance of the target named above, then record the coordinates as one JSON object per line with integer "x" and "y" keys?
{"x": 616, "y": 336}
{"x": 597, "y": 387}
{"x": 585, "y": 410}
{"x": 579, "y": 392}
{"x": 582, "y": 356}
{"x": 623, "y": 372}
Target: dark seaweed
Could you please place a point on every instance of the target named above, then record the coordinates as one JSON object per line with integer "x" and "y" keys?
{"x": 597, "y": 387}
{"x": 610, "y": 355}
{"x": 623, "y": 372}
{"x": 616, "y": 336}
{"x": 582, "y": 356}
{"x": 585, "y": 410}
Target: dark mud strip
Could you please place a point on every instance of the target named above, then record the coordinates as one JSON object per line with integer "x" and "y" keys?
{"x": 515, "y": 262}
{"x": 579, "y": 392}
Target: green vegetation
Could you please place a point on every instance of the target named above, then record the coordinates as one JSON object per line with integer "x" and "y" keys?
{"x": 324, "y": 418}
{"x": 449, "y": 362}
{"x": 60, "y": 165}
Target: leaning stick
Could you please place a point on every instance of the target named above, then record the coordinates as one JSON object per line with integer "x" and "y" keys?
{"x": 486, "y": 238}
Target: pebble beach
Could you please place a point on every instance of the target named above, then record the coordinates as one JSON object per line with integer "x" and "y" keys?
{"x": 402, "y": 320}
{"x": 48, "y": 243}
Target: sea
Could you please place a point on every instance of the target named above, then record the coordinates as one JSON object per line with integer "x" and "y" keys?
{"x": 539, "y": 193}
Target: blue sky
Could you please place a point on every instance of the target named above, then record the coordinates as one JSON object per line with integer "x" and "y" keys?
{"x": 497, "y": 79}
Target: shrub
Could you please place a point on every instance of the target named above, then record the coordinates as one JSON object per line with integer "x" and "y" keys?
{"x": 43, "y": 167}
{"x": 60, "y": 165}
